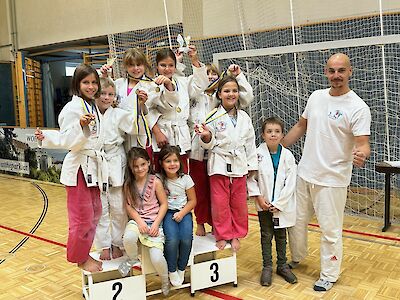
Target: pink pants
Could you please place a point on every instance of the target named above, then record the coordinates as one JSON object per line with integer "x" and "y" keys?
{"x": 198, "y": 172}
{"x": 157, "y": 166}
{"x": 229, "y": 207}
{"x": 84, "y": 212}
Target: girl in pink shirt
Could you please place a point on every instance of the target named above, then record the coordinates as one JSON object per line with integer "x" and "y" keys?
{"x": 146, "y": 204}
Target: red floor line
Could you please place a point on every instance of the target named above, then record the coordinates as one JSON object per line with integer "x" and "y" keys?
{"x": 379, "y": 236}
{"x": 33, "y": 236}
{"x": 366, "y": 234}
{"x": 220, "y": 295}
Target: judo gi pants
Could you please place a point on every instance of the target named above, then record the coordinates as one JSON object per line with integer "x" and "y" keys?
{"x": 229, "y": 207}
{"x": 328, "y": 204}
{"x": 113, "y": 219}
{"x": 84, "y": 211}
{"x": 198, "y": 172}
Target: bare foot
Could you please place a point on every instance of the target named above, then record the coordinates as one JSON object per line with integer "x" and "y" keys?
{"x": 91, "y": 265}
{"x": 99, "y": 263}
{"x": 105, "y": 254}
{"x": 221, "y": 244}
{"x": 116, "y": 252}
{"x": 200, "y": 231}
{"x": 235, "y": 243}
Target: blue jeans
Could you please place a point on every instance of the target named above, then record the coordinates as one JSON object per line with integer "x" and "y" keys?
{"x": 178, "y": 240}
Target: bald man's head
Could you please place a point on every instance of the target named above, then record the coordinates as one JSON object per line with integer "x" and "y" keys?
{"x": 338, "y": 71}
{"x": 339, "y": 57}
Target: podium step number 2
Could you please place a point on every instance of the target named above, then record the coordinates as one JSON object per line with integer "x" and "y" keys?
{"x": 120, "y": 289}
{"x": 109, "y": 284}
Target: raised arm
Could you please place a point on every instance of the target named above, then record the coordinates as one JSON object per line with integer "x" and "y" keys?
{"x": 197, "y": 82}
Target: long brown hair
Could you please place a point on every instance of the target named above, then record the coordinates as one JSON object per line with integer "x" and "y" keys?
{"x": 129, "y": 188}
{"x": 223, "y": 81}
{"x": 165, "y": 53}
{"x": 80, "y": 73}
{"x": 167, "y": 151}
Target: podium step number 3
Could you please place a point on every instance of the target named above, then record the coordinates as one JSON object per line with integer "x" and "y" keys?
{"x": 212, "y": 272}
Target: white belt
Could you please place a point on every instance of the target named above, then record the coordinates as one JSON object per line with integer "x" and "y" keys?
{"x": 102, "y": 167}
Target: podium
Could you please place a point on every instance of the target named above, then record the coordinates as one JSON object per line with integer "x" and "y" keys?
{"x": 210, "y": 271}
{"x": 206, "y": 270}
{"x": 109, "y": 284}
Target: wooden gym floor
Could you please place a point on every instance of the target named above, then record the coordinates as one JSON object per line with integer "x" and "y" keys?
{"x": 33, "y": 233}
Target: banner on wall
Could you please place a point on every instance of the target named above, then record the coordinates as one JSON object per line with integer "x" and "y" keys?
{"x": 20, "y": 155}
{"x": 14, "y": 166}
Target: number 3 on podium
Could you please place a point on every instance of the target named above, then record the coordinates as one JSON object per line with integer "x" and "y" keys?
{"x": 215, "y": 276}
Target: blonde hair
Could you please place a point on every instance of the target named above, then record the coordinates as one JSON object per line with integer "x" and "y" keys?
{"x": 136, "y": 56}
{"x": 106, "y": 82}
{"x": 212, "y": 68}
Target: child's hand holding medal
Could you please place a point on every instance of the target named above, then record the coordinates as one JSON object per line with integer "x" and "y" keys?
{"x": 87, "y": 119}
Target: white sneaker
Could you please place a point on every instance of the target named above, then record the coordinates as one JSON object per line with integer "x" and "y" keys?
{"x": 174, "y": 278}
{"x": 181, "y": 276}
{"x": 322, "y": 285}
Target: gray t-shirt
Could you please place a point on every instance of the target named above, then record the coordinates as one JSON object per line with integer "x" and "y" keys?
{"x": 176, "y": 193}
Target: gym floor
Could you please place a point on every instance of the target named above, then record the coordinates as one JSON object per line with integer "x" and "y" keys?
{"x": 33, "y": 234}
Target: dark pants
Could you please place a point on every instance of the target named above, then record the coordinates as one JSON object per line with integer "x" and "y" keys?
{"x": 267, "y": 232}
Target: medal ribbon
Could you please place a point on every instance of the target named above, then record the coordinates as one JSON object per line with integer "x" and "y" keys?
{"x": 86, "y": 108}
{"x": 144, "y": 79}
{"x": 145, "y": 124}
{"x": 209, "y": 118}
{"x": 175, "y": 83}
{"x": 213, "y": 84}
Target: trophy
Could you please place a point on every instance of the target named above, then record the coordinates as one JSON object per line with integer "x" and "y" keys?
{"x": 183, "y": 43}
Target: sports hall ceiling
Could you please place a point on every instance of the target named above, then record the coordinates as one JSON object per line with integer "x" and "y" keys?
{"x": 72, "y": 50}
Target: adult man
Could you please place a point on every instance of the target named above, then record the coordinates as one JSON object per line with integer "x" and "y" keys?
{"x": 337, "y": 126}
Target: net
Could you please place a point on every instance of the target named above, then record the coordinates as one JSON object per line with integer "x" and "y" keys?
{"x": 282, "y": 47}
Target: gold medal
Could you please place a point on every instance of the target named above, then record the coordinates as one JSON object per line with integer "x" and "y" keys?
{"x": 92, "y": 123}
{"x": 157, "y": 89}
{"x": 200, "y": 128}
{"x": 178, "y": 109}
{"x": 137, "y": 92}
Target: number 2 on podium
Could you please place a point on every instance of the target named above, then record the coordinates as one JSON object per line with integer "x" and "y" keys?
{"x": 116, "y": 286}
